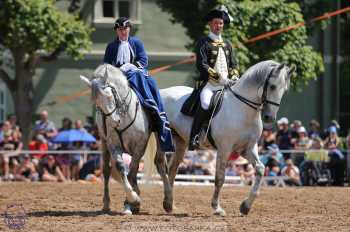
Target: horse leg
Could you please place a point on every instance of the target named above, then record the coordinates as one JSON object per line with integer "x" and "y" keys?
{"x": 132, "y": 177}
{"x": 161, "y": 164}
{"x": 176, "y": 158}
{"x": 106, "y": 174}
{"x": 219, "y": 182}
{"x": 132, "y": 199}
{"x": 253, "y": 158}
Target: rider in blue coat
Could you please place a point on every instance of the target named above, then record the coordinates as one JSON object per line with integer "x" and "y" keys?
{"x": 128, "y": 53}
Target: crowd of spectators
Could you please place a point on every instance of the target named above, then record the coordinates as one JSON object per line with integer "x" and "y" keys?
{"x": 307, "y": 155}
{"x": 42, "y": 165}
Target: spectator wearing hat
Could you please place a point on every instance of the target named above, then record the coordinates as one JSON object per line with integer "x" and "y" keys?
{"x": 291, "y": 171}
{"x": 303, "y": 142}
{"x": 217, "y": 66}
{"x": 337, "y": 158}
{"x": 273, "y": 154}
{"x": 284, "y": 136}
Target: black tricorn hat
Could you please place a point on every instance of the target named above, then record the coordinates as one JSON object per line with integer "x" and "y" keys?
{"x": 122, "y": 22}
{"x": 221, "y": 13}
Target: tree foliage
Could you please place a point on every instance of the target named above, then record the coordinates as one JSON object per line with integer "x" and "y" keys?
{"x": 250, "y": 19}
{"x": 31, "y": 32}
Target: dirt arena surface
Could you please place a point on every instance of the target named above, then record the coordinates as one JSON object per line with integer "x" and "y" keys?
{"x": 77, "y": 207}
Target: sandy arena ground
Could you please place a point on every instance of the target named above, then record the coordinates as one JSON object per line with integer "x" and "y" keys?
{"x": 77, "y": 207}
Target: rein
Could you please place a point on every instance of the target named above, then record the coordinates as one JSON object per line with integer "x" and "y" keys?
{"x": 264, "y": 100}
{"x": 122, "y": 110}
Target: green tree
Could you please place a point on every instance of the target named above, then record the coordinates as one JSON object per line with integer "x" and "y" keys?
{"x": 250, "y": 19}
{"x": 32, "y": 32}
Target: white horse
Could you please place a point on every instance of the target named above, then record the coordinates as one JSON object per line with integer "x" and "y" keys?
{"x": 124, "y": 127}
{"x": 237, "y": 126}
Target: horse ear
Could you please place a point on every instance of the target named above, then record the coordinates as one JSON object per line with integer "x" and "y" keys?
{"x": 85, "y": 80}
{"x": 291, "y": 70}
{"x": 280, "y": 67}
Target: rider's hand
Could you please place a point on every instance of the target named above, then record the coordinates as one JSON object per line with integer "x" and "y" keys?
{"x": 127, "y": 67}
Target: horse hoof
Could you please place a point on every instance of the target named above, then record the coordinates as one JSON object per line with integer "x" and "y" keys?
{"x": 220, "y": 212}
{"x": 106, "y": 210}
{"x": 168, "y": 207}
{"x": 126, "y": 212}
{"x": 133, "y": 207}
{"x": 244, "y": 208}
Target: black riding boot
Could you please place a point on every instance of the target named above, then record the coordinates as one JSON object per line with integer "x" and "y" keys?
{"x": 200, "y": 119}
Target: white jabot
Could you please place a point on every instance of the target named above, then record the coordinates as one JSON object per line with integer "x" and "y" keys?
{"x": 221, "y": 62}
{"x": 124, "y": 54}
{"x": 214, "y": 37}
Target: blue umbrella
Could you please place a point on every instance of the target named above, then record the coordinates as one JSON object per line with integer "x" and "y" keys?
{"x": 73, "y": 135}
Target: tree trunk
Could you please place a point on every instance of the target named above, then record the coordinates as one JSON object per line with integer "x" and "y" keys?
{"x": 23, "y": 97}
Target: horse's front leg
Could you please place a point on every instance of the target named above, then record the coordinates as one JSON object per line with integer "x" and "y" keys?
{"x": 253, "y": 157}
{"x": 221, "y": 161}
{"x": 106, "y": 174}
{"x": 132, "y": 198}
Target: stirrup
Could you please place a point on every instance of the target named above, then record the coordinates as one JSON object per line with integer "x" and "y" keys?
{"x": 194, "y": 143}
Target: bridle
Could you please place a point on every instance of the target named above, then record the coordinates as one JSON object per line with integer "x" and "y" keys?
{"x": 121, "y": 107}
{"x": 264, "y": 100}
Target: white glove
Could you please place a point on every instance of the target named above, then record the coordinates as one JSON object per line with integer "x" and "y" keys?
{"x": 235, "y": 78}
{"x": 127, "y": 67}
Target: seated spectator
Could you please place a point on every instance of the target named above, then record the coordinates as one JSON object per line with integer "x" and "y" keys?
{"x": 91, "y": 171}
{"x": 245, "y": 170}
{"x": 273, "y": 153}
{"x": 45, "y": 127}
{"x": 14, "y": 125}
{"x": 76, "y": 159}
{"x": 78, "y": 125}
{"x": 50, "y": 171}
{"x": 39, "y": 143}
{"x": 302, "y": 142}
{"x": 337, "y": 158}
{"x": 315, "y": 129}
{"x": 291, "y": 171}
{"x": 267, "y": 138}
{"x": 66, "y": 124}
{"x": 10, "y": 162}
{"x": 5, "y": 130}
{"x": 294, "y": 129}
{"x": 284, "y": 136}
{"x": 26, "y": 171}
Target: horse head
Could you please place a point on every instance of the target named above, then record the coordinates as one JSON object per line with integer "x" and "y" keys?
{"x": 106, "y": 87}
{"x": 263, "y": 85}
{"x": 276, "y": 84}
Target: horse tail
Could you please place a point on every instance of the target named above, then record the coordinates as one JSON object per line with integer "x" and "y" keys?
{"x": 148, "y": 159}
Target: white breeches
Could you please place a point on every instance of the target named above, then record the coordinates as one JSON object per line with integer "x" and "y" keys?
{"x": 207, "y": 93}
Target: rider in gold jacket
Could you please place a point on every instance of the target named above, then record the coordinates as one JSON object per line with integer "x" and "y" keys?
{"x": 217, "y": 66}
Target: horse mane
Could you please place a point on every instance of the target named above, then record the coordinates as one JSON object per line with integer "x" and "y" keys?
{"x": 257, "y": 74}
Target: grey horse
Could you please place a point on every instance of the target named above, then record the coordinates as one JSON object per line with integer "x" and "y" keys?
{"x": 124, "y": 128}
{"x": 237, "y": 126}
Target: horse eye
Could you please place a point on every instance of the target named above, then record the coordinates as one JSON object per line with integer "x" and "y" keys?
{"x": 273, "y": 87}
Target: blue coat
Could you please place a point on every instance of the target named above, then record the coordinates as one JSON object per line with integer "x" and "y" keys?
{"x": 140, "y": 59}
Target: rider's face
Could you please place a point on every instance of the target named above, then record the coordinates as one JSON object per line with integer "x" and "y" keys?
{"x": 123, "y": 33}
{"x": 216, "y": 25}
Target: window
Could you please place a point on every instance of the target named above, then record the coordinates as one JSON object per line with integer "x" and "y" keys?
{"x": 106, "y": 11}
{"x": 124, "y": 9}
